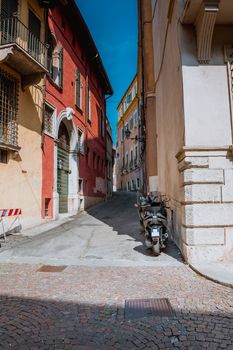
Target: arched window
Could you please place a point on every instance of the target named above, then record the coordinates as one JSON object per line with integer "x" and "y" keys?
{"x": 63, "y": 137}
{"x": 55, "y": 59}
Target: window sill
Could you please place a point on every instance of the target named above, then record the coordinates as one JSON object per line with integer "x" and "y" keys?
{"x": 8, "y": 147}
{"x": 52, "y": 82}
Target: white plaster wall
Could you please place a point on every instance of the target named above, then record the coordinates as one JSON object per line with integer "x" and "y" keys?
{"x": 206, "y": 106}
{"x": 206, "y": 91}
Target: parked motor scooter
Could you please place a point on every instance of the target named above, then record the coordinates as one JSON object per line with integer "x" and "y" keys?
{"x": 153, "y": 217}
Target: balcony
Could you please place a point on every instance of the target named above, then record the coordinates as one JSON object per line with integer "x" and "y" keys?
{"x": 22, "y": 51}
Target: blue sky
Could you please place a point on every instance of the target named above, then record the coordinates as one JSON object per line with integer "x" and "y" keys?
{"x": 113, "y": 25}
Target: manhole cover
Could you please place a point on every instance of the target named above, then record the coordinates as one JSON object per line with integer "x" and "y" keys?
{"x": 50, "y": 268}
{"x": 148, "y": 307}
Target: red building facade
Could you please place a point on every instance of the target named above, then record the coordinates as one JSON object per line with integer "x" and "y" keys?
{"x": 74, "y": 138}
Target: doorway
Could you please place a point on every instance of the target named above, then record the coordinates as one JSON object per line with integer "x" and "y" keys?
{"x": 63, "y": 169}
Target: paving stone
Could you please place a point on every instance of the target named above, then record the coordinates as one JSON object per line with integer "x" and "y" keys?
{"x": 83, "y": 308}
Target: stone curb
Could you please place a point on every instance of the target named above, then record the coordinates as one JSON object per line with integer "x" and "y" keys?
{"x": 230, "y": 285}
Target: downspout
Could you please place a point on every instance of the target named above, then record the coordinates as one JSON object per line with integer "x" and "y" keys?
{"x": 142, "y": 95}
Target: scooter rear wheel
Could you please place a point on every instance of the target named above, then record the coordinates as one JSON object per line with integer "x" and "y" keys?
{"x": 156, "y": 249}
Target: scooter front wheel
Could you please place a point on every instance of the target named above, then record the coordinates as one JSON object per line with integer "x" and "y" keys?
{"x": 156, "y": 249}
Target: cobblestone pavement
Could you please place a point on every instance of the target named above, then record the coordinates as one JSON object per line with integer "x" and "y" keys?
{"x": 82, "y": 307}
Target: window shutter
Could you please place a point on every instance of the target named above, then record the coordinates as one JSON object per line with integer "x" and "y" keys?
{"x": 61, "y": 68}
{"x": 78, "y": 88}
{"x": 87, "y": 100}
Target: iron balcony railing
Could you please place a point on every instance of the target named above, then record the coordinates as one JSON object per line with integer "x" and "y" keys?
{"x": 13, "y": 31}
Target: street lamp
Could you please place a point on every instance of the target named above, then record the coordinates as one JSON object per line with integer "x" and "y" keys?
{"x": 136, "y": 138}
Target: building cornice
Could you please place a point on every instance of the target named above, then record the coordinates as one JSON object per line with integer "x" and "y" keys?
{"x": 197, "y": 150}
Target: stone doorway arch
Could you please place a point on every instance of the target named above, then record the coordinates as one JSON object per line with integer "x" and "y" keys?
{"x": 66, "y": 144}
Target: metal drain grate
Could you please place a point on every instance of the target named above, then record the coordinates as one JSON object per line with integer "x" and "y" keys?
{"x": 148, "y": 307}
{"x": 50, "y": 268}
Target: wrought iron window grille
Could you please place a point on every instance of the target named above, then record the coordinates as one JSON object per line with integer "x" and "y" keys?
{"x": 9, "y": 96}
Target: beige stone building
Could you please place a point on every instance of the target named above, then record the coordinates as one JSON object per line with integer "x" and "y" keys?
{"x": 187, "y": 69}
{"x": 22, "y": 68}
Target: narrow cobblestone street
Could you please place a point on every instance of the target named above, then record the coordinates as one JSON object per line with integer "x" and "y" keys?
{"x": 105, "y": 264}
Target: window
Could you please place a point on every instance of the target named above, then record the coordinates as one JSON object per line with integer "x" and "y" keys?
{"x": 8, "y": 8}
{"x": 126, "y": 160}
{"x": 131, "y": 155}
{"x": 88, "y": 102}
{"x": 136, "y": 156}
{"x": 122, "y": 134}
{"x": 138, "y": 183}
{"x": 47, "y": 205}
{"x": 34, "y": 32}
{"x": 135, "y": 119}
{"x": 102, "y": 166}
{"x": 33, "y": 25}
{"x": 131, "y": 124}
{"x": 135, "y": 89}
{"x": 48, "y": 119}
{"x": 88, "y": 156}
{"x": 60, "y": 72}
{"x": 129, "y": 98}
{"x": 133, "y": 185}
{"x": 101, "y": 123}
{"x": 80, "y": 185}
{"x": 78, "y": 89}
{"x": 94, "y": 158}
{"x": 3, "y": 156}
{"x": 9, "y": 88}
{"x": 80, "y": 141}
{"x": 55, "y": 60}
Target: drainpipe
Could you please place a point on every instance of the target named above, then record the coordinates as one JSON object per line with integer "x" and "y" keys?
{"x": 141, "y": 106}
{"x": 149, "y": 95}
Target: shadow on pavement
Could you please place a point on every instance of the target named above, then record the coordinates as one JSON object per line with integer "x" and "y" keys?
{"x": 30, "y": 323}
{"x": 120, "y": 214}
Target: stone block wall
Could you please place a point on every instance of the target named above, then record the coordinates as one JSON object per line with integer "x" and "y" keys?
{"x": 207, "y": 204}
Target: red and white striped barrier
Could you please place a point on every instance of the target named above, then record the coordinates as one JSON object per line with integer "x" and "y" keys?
{"x": 5, "y": 213}
{"x": 10, "y": 212}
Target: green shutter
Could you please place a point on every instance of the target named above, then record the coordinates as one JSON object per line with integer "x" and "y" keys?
{"x": 87, "y": 100}
{"x": 78, "y": 88}
{"x": 61, "y": 68}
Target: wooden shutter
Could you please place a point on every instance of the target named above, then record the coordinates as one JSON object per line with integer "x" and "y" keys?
{"x": 87, "y": 100}
{"x": 61, "y": 68}
{"x": 78, "y": 88}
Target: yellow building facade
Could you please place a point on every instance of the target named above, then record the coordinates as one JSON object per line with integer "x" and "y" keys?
{"x": 128, "y": 154}
{"x": 23, "y": 56}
